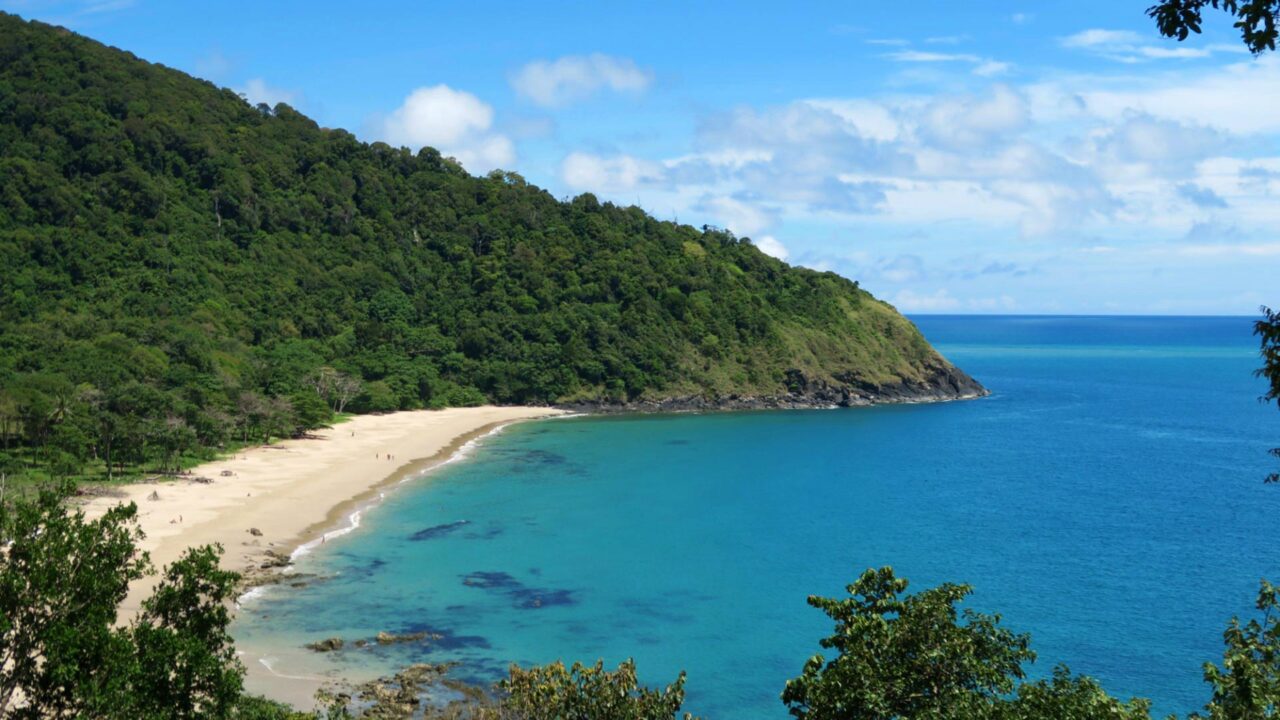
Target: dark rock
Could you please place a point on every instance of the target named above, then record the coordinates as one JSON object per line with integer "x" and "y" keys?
{"x": 326, "y": 645}
{"x": 534, "y": 598}
{"x": 436, "y": 531}
{"x": 386, "y": 638}
{"x": 490, "y": 580}
{"x": 274, "y": 559}
{"x": 942, "y": 382}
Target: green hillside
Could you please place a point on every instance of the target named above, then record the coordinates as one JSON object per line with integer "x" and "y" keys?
{"x": 172, "y": 253}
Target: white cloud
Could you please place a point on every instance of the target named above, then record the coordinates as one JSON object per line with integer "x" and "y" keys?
{"x": 105, "y": 6}
{"x": 742, "y": 218}
{"x": 870, "y": 119}
{"x": 1103, "y": 177}
{"x": 257, "y": 92}
{"x": 983, "y": 67}
{"x": 1098, "y": 37}
{"x": 454, "y": 122}
{"x": 941, "y": 301}
{"x": 552, "y": 83}
{"x": 769, "y": 245}
{"x": 903, "y": 269}
{"x": 919, "y": 56}
{"x": 583, "y": 171}
{"x": 937, "y": 301}
{"x": 1238, "y": 98}
{"x": 439, "y": 116}
{"x": 1130, "y": 47}
{"x": 213, "y": 66}
{"x": 991, "y": 68}
{"x": 1246, "y": 249}
{"x": 974, "y": 121}
{"x": 487, "y": 152}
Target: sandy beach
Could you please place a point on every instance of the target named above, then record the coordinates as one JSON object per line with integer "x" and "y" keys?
{"x": 293, "y": 492}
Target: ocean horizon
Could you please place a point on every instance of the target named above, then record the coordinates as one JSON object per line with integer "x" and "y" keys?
{"x": 1106, "y": 498}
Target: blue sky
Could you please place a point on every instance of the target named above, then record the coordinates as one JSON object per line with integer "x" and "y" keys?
{"x": 1007, "y": 157}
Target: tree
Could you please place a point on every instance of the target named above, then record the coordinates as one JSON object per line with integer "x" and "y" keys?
{"x": 917, "y": 656}
{"x": 1247, "y": 685}
{"x": 345, "y": 388}
{"x": 279, "y": 420}
{"x": 62, "y": 579}
{"x": 1268, "y": 331}
{"x": 310, "y": 410}
{"x": 903, "y": 657}
{"x": 186, "y": 665}
{"x": 1255, "y": 19}
{"x": 321, "y": 380}
{"x": 174, "y": 437}
{"x": 8, "y": 417}
{"x": 252, "y": 411}
{"x": 554, "y": 692}
{"x": 379, "y": 397}
{"x": 1068, "y": 697}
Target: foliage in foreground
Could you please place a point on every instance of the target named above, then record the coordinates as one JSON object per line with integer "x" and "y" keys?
{"x": 1268, "y": 331}
{"x": 918, "y": 656}
{"x": 554, "y": 692}
{"x": 62, "y": 580}
{"x": 1255, "y": 19}
{"x": 896, "y": 655}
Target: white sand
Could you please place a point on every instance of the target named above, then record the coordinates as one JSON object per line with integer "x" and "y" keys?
{"x": 293, "y": 492}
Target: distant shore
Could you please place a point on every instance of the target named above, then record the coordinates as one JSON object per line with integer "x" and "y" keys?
{"x": 268, "y": 501}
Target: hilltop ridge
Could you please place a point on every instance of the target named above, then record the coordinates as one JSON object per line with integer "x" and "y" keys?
{"x": 161, "y": 235}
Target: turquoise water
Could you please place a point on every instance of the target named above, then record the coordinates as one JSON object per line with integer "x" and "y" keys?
{"x": 1107, "y": 498}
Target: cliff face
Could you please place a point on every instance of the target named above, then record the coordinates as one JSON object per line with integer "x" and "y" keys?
{"x": 943, "y": 382}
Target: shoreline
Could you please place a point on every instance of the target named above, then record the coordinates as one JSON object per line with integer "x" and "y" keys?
{"x": 347, "y": 482}
{"x": 295, "y": 494}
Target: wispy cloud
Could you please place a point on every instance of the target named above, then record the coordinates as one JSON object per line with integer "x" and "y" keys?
{"x": 984, "y": 67}
{"x": 1130, "y": 47}
{"x": 552, "y": 83}
{"x": 618, "y": 173}
{"x": 72, "y": 13}
{"x": 105, "y": 6}
{"x": 214, "y": 65}
{"x": 258, "y": 92}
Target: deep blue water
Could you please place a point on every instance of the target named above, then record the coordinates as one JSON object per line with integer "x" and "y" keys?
{"x": 1107, "y": 498}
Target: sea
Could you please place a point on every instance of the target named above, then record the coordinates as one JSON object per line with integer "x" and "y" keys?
{"x": 1107, "y": 499}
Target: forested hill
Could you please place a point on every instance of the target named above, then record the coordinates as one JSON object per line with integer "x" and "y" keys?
{"x": 170, "y": 250}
